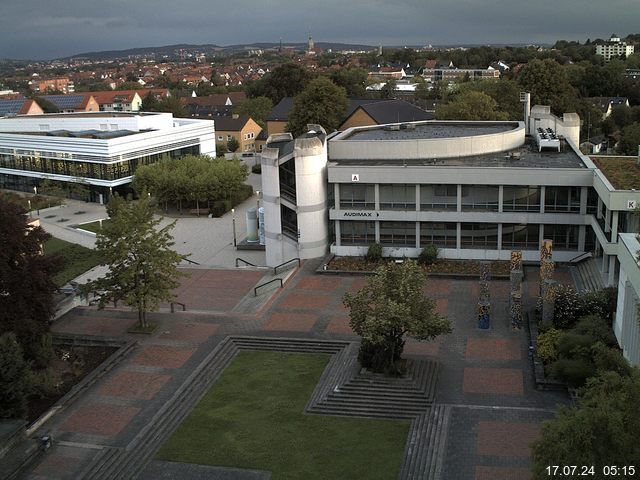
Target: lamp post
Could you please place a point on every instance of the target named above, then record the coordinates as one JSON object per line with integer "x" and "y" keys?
{"x": 258, "y": 199}
{"x": 35, "y": 192}
{"x": 29, "y": 203}
{"x": 233, "y": 212}
{"x": 110, "y": 193}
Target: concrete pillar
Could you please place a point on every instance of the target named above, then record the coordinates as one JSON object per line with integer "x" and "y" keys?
{"x": 337, "y": 229}
{"x": 377, "y": 231}
{"x": 336, "y": 195}
{"x": 459, "y": 199}
{"x": 376, "y": 194}
{"x": 417, "y": 198}
{"x": 584, "y": 193}
{"x": 611, "y": 278}
{"x": 607, "y": 221}
{"x": 542, "y": 195}
{"x": 582, "y": 235}
{"x": 614, "y": 226}
{"x": 500, "y": 200}
{"x": 417, "y": 234}
{"x": 500, "y": 235}
{"x": 458, "y": 236}
{"x": 599, "y": 210}
{"x": 605, "y": 262}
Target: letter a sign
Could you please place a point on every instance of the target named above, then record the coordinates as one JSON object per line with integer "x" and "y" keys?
{"x": 355, "y": 177}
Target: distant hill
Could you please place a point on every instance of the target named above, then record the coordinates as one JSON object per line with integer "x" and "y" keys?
{"x": 170, "y": 50}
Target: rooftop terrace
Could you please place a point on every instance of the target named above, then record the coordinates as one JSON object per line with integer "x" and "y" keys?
{"x": 431, "y": 130}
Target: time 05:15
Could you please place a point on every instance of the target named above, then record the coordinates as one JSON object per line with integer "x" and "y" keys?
{"x": 589, "y": 470}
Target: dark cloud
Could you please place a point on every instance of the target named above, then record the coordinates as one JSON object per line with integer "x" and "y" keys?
{"x": 47, "y": 29}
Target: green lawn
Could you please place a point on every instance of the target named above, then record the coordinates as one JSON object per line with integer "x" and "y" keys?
{"x": 93, "y": 226}
{"x": 77, "y": 259}
{"x": 253, "y": 417}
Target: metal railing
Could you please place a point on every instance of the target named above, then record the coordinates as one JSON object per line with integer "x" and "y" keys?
{"x": 275, "y": 269}
{"x": 582, "y": 256}
{"x": 244, "y": 261}
{"x": 255, "y": 290}
{"x": 172, "y": 304}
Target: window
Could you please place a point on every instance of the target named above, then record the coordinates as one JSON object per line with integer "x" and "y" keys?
{"x": 357, "y": 233}
{"x": 398, "y": 196}
{"x": 564, "y": 237}
{"x": 562, "y": 199}
{"x": 438, "y": 197}
{"x": 480, "y": 197}
{"x": 441, "y": 234}
{"x": 289, "y": 220}
{"x": 479, "y": 235}
{"x": 355, "y": 196}
{"x": 398, "y": 234}
{"x": 521, "y": 199}
{"x": 287, "y": 172}
{"x": 520, "y": 236}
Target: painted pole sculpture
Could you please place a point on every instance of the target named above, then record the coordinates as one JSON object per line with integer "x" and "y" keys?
{"x": 546, "y": 301}
{"x": 484, "y": 304}
{"x": 515, "y": 297}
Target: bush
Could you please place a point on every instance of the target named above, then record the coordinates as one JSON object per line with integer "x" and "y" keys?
{"x": 572, "y": 345}
{"x": 547, "y": 345}
{"x": 571, "y": 306}
{"x": 220, "y": 207}
{"x": 241, "y": 195}
{"x": 597, "y": 328}
{"x": 14, "y": 378}
{"x": 428, "y": 255}
{"x": 574, "y": 371}
{"x": 257, "y": 169}
{"x": 374, "y": 254}
{"x": 607, "y": 359}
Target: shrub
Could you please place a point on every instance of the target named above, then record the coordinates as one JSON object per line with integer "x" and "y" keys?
{"x": 220, "y": 207}
{"x": 14, "y": 378}
{"x": 374, "y": 254}
{"x": 428, "y": 255}
{"x": 257, "y": 169}
{"x": 572, "y": 345}
{"x": 597, "y": 328}
{"x": 547, "y": 345}
{"x": 574, "y": 371}
{"x": 568, "y": 307}
{"x": 607, "y": 359}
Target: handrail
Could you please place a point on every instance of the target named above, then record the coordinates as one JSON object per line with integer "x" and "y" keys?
{"x": 244, "y": 261}
{"x": 579, "y": 257}
{"x": 190, "y": 261}
{"x": 275, "y": 269}
{"x": 255, "y": 290}
{"x": 184, "y": 308}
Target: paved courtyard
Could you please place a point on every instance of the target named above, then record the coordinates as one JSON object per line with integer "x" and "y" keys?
{"x": 485, "y": 375}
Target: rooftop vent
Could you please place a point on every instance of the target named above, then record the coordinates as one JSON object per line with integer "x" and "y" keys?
{"x": 392, "y": 127}
{"x": 407, "y": 126}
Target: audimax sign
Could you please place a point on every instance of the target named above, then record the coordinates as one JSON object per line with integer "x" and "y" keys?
{"x": 361, "y": 214}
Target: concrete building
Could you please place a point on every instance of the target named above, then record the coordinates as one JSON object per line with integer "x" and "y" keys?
{"x": 614, "y": 48}
{"x": 100, "y": 150}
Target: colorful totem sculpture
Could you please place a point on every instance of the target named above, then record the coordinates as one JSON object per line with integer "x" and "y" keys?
{"x": 484, "y": 304}
{"x": 515, "y": 297}
{"x": 546, "y": 301}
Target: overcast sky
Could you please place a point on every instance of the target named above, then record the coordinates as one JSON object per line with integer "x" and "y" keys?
{"x": 44, "y": 29}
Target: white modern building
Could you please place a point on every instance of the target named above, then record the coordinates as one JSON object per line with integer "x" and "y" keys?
{"x": 100, "y": 150}
{"x": 614, "y": 48}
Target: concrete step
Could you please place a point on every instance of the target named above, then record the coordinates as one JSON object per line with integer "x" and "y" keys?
{"x": 363, "y": 412}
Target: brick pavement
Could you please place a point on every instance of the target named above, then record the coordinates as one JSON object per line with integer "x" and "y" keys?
{"x": 485, "y": 375}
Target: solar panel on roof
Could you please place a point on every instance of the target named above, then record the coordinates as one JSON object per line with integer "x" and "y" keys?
{"x": 68, "y": 101}
{"x": 8, "y": 107}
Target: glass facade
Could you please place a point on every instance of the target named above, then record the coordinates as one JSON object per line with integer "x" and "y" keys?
{"x": 562, "y": 199}
{"x": 565, "y": 237}
{"x": 287, "y": 172}
{"x": 520, "y": 199}
{"x": 357, "y": 196}
{"x": 357, "y": 233}
{"x": 442, "y": 234}
{"x": 480, "y": 197}
{"x": 439, "y": 197}
{"x": 64, "y": 165}
{"x": 398, "y": 234}
{"x": 520, "y": 236}
{"x": 397, "y": 196}
{"x": 479, "y": 235}
{"x": 289, "y": 220}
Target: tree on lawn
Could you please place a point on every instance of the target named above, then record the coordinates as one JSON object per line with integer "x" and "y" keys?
{"x": 601, "y": 430}
{"x": 26, "y": 285}
{"x": 143, "y": 269}
{"x": 322, "y": 102}
{"x": 14, "y": 378}
{"x": 390, "y": 306}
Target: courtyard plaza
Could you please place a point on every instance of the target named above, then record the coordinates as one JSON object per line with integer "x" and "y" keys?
{"x": 486, "y": 387}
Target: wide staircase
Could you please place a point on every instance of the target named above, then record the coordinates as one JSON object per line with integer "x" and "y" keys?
{"x": 587, "y": 275}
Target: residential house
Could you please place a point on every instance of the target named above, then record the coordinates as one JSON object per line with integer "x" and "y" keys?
{"x": 243, "y": 128}
{"x": 19, "y": 106}
{"x": 213, "y": 105}
{"x": 614, "y": 48}
{"x": 77, "y": 102}
{"x": 607, "y": 104}
{"x": 63, "y": 84}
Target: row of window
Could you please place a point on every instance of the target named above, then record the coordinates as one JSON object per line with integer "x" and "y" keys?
{"x": 102, "y": 171}
{"x": 472, "y": 235}
{"x": 473, "y": 197}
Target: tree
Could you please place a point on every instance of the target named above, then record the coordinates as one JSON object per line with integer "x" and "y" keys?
{"x": 390, "y": 306}
{"x": 26, "y": 285}
{"x": 46, "y": 105}
{"x": 143, "y": 269}
{"x": 548, "y": 84}
{"x": 150, "y": 103}
{"x": 322, "y": 102}
{"x": 233, "y": 145}
{"x": 389, "y": 89}
{"x": 286, "y": 80}
{"x": 630, "y": 139}
{"x": 352, "y": 79}
{"x": 14, "y": 378}
{"x": 505, "y": 92}
{"x": 601, "y": 430}
{"x": 257, "y": 108}
{"x": 470, "y": 105}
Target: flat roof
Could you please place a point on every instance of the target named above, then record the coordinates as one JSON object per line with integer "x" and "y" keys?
{"x": 92, "y": 115}
{"x": 525, "y": 156}
{"x": 96, "y": 134}
{"x": 430, "y": 130}
{"x": 622, "y": 172}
